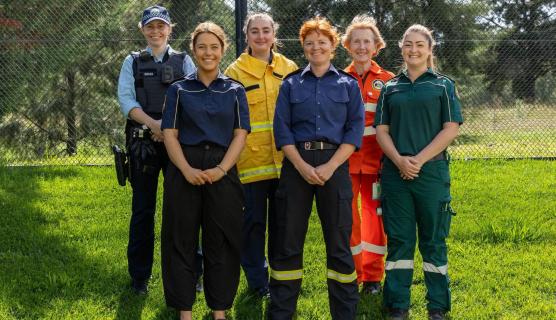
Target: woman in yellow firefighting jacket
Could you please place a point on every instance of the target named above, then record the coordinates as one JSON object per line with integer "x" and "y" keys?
{"x": 261, "y": 70}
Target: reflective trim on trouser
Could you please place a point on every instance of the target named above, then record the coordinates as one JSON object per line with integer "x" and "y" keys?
{"x": 429, "y": 267}
{"x": 368, "y": 241}
{"x": 421, "y": 204}
{"x": 400, "y": 264}
{"x": 286, "y": 274}
{"x": 341, "y": 277}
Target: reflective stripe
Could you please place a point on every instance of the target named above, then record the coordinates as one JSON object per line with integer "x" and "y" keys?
{"x": 400, "y": 264}
{"x": 429, "y": 267}
{"x": 369, "y": 247}
{"x": 369, "y": 131}
{"x": 286, "y": 275}
{"x": 341, "y": 277}
{"x": 355, "y": 250}
{"x": 261, "y": 126}
{"x": 259, "y": 171}
{"x": 370, "y": 107}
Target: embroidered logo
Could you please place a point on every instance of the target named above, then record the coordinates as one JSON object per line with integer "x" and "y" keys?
{"x": 378, "y": 84}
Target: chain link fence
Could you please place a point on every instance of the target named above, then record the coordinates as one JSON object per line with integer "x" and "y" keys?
{"x": 61, "y": 60}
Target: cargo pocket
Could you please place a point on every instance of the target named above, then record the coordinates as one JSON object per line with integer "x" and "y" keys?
{"x": 445, "y": 217}
{"x": 345, "y": 197}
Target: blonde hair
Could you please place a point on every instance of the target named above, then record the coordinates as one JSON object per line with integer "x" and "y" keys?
{"x": 427, "y": 33}
{"x": 321, "y": 26}
{"x": 266, "y": 17}
{"x": 209, "y": 27}
{"x": 364, "y": 21}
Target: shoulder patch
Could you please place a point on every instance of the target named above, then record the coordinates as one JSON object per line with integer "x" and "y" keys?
{"x": 378, "y": 84}
{"x": 293, "y": 73}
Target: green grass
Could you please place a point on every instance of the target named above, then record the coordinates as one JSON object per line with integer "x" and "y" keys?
{"x": 63, "y": 236}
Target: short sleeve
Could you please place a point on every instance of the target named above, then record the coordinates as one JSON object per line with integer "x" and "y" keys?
{"x": 242, "y": 110}
{"x": 382, "y": 115}
{"x": 451, "y": 106}
{"x": 170, "y": 109}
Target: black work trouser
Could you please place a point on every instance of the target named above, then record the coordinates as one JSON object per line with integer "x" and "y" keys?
{"x": 287, "y": 231}
{"x": 217, "y": 209}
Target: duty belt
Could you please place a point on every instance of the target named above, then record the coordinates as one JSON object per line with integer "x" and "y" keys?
{"x": 316, "y": 145}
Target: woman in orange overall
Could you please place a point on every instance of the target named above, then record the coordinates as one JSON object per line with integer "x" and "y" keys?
{"x": 368, "y": 241}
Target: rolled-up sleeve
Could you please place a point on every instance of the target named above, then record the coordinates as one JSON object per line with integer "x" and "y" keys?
{"x": 282, "y": 118}
{"x": 451, "y": 106}
{"x": 242, "y": 111}
{"x": 171, "y": 108}
{"x": 355, "y": 122}
{"x": 126, "y": 88}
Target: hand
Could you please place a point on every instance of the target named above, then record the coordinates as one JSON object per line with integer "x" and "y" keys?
{"x": 325, "y": 171}
{"x": 309, "y": 173}
{"x": 214, "y": 174}
{"x": 196, "y": 177}
{"x": 409, "y": 167}
{"x": 156, "y": 132}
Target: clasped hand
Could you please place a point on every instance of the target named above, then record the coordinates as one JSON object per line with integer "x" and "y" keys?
{"x": 318, "y": 175}
{"x": 409, "y": 167}
{"x": 199, "y": 177}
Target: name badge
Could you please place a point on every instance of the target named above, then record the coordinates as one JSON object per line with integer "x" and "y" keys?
{"x": 376, "y": 191}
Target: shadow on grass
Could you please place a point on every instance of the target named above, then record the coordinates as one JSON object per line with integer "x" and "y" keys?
{"x": 44, "y": 269}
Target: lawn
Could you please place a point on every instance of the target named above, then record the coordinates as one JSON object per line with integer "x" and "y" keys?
{"x": 63, "y": 235}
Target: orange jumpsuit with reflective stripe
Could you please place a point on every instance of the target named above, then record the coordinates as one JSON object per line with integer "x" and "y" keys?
{"x": 368, "y": 241}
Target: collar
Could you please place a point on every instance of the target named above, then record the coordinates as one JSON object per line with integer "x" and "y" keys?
{"x": 429, "y": 71}
{"x": 160, "y": 58}
{"x": 194, "y": 76}
{"x": 253, "y": 66}
{"x": 331, "y": 68}
{"x": 374, "y": 68}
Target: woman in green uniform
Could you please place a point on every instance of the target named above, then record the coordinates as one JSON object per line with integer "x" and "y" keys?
{"x": 418, "y": 116}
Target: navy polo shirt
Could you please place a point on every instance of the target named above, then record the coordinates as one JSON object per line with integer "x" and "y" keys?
{"x": 327, "y": 109}
{"x": 204, "y": 114}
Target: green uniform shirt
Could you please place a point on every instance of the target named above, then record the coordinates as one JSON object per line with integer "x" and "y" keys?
{"x": 417, "y": 111}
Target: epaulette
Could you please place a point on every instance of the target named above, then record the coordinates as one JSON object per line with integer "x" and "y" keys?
{"x": 293, "y": 73}
{"x": 347, "y": 74}
{"x": 234, "y": 80}
{"x": 441, "y": 75}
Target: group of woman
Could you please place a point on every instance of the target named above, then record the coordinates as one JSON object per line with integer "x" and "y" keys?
{"x": 265, "y": 138}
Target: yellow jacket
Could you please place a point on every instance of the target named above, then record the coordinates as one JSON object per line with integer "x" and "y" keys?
{"x": 259, "y": 159}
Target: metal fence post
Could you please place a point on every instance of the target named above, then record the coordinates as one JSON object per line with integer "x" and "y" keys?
{"x": 240, "y": 15}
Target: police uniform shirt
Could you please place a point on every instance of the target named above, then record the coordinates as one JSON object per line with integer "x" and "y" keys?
{"x": 126, "y": 84}
{"x": 416, "y": 112}
{"x": 327, "y": 109}
{"x": 206, "y": 114}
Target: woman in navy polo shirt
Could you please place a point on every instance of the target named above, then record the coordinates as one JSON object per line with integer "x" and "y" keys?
{"x": 318, "y": 123}
{"x": 205, "y": 123}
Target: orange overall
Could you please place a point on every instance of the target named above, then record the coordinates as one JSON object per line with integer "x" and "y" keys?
{"x": 368, "y": 241}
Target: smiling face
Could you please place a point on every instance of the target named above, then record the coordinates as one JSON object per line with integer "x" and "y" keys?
{"x": 208, "y": 51}
{"x": 416, "y": 50}
{"x": 362, "y": 47}
{"x": 317, "y": 48}
{"x": 156, "y": 33}
{"x": 260, "y": 36}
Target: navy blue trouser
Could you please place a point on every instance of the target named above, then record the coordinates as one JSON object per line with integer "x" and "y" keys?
{"x": 259, "y": 199}
{"x": 144, "y": 182}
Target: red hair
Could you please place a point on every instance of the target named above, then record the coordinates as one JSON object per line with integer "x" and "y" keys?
{"x": 321, "y": 26}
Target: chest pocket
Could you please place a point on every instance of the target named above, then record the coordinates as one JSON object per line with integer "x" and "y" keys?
{"x": 301, "y": 109}
{"x": 255, "y": 96}
{"x": 337, "y": 94}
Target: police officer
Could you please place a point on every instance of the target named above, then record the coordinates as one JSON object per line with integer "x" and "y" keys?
{"x": 418, "y": 116}
{"x": 368, "y": 241}
{"x": 318, "y": 123}
{"x": 205, "y": 124}
{"x": 144, "y": 78}
{"x": 261, "y": 70}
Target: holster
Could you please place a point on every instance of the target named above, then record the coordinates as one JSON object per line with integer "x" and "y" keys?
{"x": 122, "y": 165}
{"x": 141, "y": 150}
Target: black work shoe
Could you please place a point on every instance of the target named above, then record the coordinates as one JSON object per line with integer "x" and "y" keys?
{"x": 261, "y": 293}
{"x": 140, "y": 287}
{"x": 371, "y": 288}
{"x": 397, "y": 314}
{"x": 437, "y": 315}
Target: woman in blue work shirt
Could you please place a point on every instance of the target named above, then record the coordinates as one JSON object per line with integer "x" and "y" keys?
{"x": 318, "y": 123}
{"x": 144, "y": 79}
{"x": 418, "y": 115}
{"x": 205, "y": 123}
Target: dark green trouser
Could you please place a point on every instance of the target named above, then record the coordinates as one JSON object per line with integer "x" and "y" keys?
{"x": 422, "y": 203}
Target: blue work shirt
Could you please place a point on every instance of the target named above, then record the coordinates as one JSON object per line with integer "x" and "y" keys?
{"x": 204, "y": 114}
{"x": 126, "y": 83}
{"x": 327, "y": 109}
